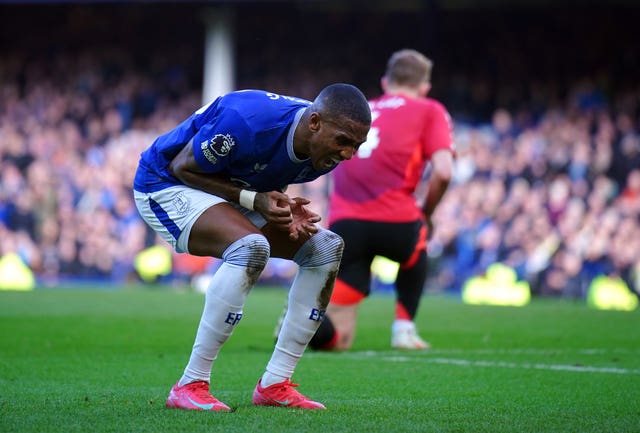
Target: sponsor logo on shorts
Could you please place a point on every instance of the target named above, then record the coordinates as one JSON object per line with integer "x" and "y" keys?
{"x": 181, "y": 203}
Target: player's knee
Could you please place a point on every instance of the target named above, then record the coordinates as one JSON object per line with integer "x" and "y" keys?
{"x": 251, "y": 251}
{"x": 322, "y": 248}
{"x": 345, "y": 341}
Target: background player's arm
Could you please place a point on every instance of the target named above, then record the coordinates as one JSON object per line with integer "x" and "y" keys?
{"x": 441, "y": 172}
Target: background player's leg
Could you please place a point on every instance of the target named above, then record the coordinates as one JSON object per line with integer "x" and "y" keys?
{"x": 409, "y": 288}
{"x": 337, "y": 330}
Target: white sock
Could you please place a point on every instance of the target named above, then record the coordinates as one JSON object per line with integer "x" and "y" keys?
{"x": 300, "y": 324}
{"x": 308, "y": 299}
{"x": 269, "y": 379}
{"x": 224, "y": 301}
{"x": 400, "y": 325}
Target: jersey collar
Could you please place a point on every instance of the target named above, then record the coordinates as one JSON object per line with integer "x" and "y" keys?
{"x": 292, "y": 130}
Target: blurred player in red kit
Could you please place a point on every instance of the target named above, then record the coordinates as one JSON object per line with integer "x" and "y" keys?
{"x": 374, "y": 207}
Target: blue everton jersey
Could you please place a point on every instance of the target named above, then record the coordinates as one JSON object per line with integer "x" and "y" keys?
{"x": 245, "y": 136}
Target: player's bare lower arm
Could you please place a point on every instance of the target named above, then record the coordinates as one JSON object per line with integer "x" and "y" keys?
{"x": 185, "y": 168}
{"x": 442, "y": 172}
{"x": 274, "y": 206}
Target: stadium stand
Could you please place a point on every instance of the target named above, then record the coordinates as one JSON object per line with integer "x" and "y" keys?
{"x": 547, "y": 129}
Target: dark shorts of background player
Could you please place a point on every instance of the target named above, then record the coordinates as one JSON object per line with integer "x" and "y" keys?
{"x": 366, "y": 239}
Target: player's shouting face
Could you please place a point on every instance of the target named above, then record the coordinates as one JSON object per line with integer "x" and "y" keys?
{"x": 333, "y": 141}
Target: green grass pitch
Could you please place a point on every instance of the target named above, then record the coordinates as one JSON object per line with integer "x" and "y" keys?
{"x": 104, "y": 361}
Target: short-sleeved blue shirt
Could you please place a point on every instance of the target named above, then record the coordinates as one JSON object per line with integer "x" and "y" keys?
{"x": 246, "y": 136}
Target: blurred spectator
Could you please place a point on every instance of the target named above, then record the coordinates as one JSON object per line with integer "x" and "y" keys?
{"x": 547, "y": 176}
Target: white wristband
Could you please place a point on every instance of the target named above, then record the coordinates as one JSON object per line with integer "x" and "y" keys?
{"x": 247, "y": 198}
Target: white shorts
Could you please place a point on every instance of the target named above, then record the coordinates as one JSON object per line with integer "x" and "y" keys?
{"x": 172, "y": 211}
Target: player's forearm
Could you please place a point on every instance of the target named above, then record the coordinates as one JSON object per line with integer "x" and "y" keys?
{"x": 212, "y": 184}
{"x": 441, "y": 174}
{"x": 437, "y": 187}
{"x": 184, "y": 168}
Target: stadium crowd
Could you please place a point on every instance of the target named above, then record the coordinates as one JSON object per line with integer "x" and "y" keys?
{"x": 72, "y": 132}
{"x": 553, "y": 191}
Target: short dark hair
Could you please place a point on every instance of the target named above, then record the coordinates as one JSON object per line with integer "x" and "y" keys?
{"x": 340, "y": 99}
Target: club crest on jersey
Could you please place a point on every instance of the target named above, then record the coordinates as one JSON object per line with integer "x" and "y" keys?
{"x": 220, "y": 145}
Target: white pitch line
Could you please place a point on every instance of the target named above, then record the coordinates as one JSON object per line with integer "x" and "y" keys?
{"x": 531, "y": 351}
{"x": 554, "y": 367}
{"x": 390, "y": 357}
{"x": 521, "y": 351}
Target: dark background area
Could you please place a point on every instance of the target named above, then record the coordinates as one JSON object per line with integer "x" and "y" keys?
{"x": 486, "y": 54}
{"x": 544, "y": 96}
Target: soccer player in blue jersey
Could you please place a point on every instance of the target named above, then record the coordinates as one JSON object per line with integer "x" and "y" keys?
{"x": 215, "y": 186}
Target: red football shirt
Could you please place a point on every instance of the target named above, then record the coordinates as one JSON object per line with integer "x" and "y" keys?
{"x": 379, "y": 182}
